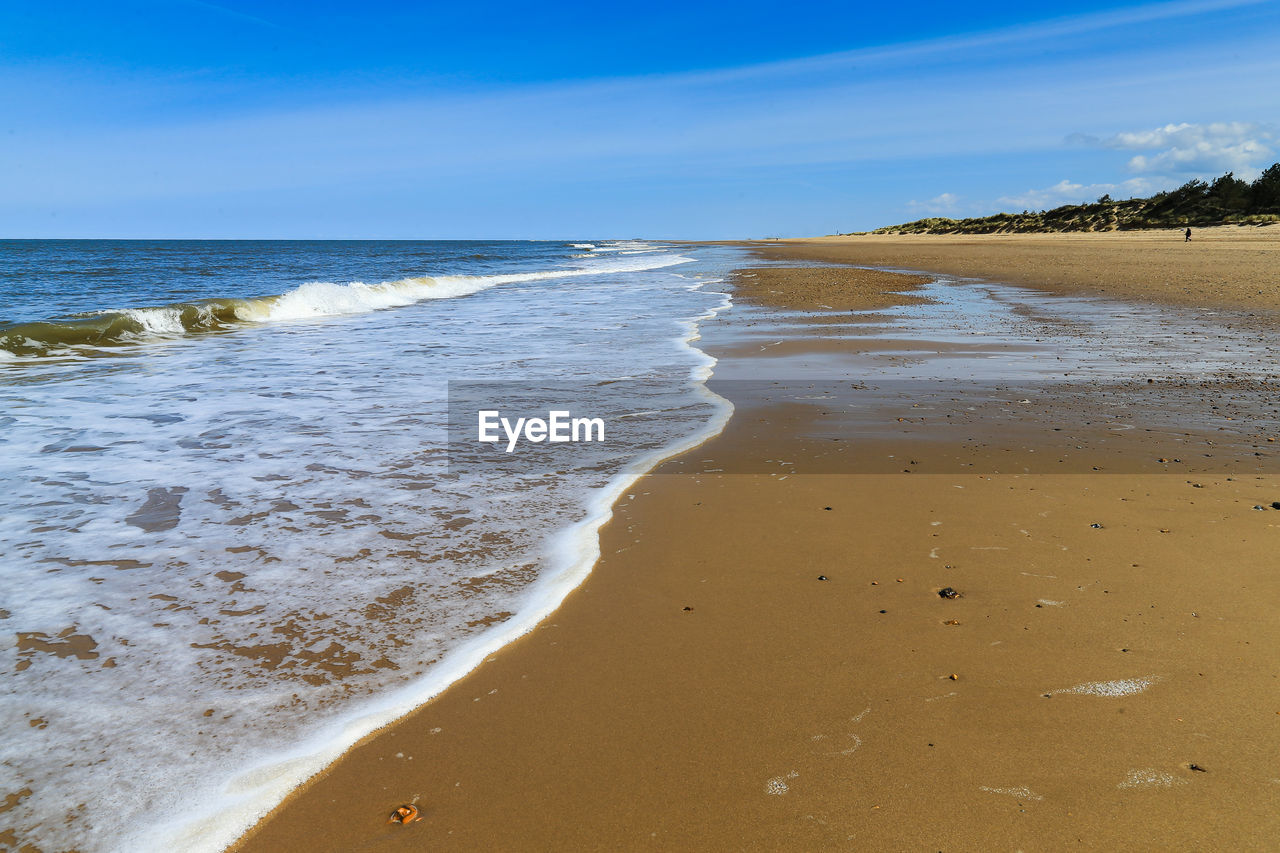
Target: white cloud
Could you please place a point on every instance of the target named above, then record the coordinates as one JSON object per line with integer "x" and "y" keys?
{"x": 945, "y": 204}
{"x": 1066, "y": 192}
{"x": 1169, "y": 155}
{"x": 1199, "y": 149}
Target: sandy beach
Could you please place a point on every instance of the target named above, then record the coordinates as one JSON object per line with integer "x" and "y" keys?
{"x": 973, "y": 628}
{"x": 1225, "y": 266}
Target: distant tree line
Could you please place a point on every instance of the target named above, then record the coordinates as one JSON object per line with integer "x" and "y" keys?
{"x": 1224, "y": 201}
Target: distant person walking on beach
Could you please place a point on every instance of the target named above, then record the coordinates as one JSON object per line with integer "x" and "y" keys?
{"x": 1188, "y": 236}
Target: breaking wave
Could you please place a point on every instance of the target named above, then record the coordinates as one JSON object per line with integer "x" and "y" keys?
{"x": 82, "y": 334}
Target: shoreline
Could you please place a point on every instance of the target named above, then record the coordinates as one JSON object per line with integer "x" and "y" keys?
{"x": 565, "y": 734}
{"x": 574, "y": 550}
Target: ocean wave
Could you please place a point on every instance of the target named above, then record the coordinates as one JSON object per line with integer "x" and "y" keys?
{"x": 108, "y": 328}
{"x": 121, "y": 327}
{"x": 628, "y": 247}
{"x": 214, "y": 822}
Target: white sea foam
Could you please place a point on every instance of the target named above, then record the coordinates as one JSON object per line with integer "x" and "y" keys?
{"x": 627, "y": 246}
{"x": 1022, "y": 792}
{"x": 327, "y": 299}
{"x": 157, "y": 321}
{"x": 777, "y": 786}
{"x": 1149, "y": 778}
{"x": 250, "y": 795}
{"x": 299, "y": 460}
{"x": 1120, "y": 687}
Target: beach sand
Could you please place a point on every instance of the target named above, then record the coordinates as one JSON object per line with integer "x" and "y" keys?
{"x": 1224, "y": 266}
{"x": 1105, "y": 679}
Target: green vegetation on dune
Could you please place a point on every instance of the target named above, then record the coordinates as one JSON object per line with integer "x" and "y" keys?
{"x": 1226, "y": 201}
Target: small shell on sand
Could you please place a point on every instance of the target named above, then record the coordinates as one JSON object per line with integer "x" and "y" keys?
{"x": 1122, "y": 687}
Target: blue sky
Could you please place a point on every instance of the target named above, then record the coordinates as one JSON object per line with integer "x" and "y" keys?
{"x": 182, "y": 118}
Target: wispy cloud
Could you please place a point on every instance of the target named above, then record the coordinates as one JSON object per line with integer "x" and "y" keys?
{"x": 1025, "y": 36}
{"x": 231, "y": 13}
{"x": 946, "y": 204}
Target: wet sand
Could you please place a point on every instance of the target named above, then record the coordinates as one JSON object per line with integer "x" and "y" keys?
{"x": 826, "y": 289}
{"x": 762, "y": 660}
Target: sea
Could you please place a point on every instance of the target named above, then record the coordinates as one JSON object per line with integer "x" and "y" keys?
{"x": 232, "y": 541}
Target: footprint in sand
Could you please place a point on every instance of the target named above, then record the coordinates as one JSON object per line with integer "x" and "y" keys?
{"x": 854, "y": 742}
{"x": 777, "y": 786}
{"x": 851, "y": 741}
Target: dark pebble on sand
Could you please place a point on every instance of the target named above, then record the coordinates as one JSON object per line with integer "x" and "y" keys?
{"x": 1275, "y": 504}
{"x": 1197, "y": 768}
{"x": 884, "y": 611}
{"x": 1096, "y": 526}
{"x": 822, "y": 577}
{"x": 948, "y": 592}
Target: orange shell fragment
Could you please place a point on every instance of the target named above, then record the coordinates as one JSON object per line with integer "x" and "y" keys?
{"x": 405, "y": 814}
